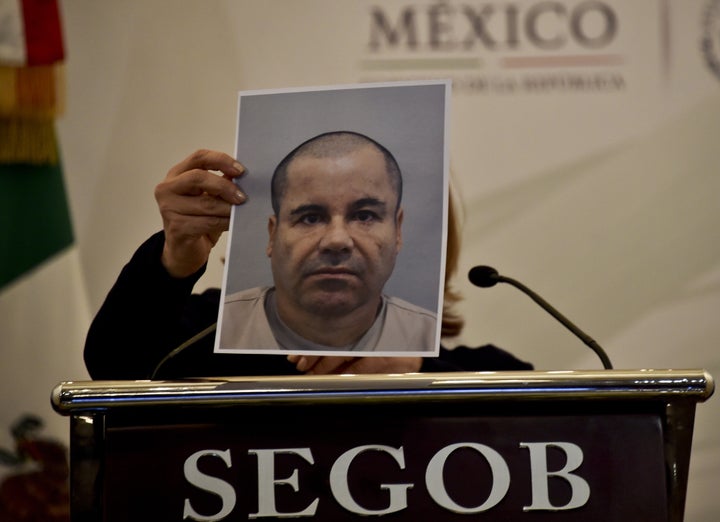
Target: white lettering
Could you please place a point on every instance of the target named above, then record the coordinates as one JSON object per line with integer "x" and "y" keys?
{"x": 207, "y": 483}
{"x": 436, "y": 485}
{"x": 540, "y": 476}
{"x": 341, "y": 490}
{"x": 267, "y": 482}
{"x": 573, "y": 493}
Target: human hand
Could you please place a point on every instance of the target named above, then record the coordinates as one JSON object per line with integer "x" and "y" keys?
{"x": 195, "y": 207}
{"x": 323, "y": 365}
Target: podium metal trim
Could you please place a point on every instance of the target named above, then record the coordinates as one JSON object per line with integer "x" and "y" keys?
{"x": 71, "y": 398}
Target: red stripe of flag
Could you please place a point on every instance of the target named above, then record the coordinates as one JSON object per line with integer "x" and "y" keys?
{"x": 43, "y": 35}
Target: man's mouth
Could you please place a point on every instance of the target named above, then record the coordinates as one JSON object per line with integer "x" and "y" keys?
{"x": 333, "y": 272}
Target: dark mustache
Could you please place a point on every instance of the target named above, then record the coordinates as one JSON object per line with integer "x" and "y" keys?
{"x": 319, "y": 266}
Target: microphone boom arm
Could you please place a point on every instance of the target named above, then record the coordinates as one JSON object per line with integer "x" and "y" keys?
{"x": 589, "y": 341}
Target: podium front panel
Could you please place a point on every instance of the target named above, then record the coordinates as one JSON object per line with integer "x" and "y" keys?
{"x": 392, "y": 449}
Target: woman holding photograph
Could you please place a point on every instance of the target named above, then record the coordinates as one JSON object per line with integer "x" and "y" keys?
{"x": 152, "y": 325}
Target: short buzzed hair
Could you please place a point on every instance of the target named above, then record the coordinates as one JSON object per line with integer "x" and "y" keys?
{"x": 332, "y": 145}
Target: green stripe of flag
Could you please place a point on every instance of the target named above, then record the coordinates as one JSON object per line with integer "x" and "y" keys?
{"x": 34, "y": 217}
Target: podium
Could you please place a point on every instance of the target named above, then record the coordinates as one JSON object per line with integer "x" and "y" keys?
{"x": 511, "y": 446}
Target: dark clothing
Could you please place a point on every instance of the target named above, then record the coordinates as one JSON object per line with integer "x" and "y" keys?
{"x": 148, "y": 314}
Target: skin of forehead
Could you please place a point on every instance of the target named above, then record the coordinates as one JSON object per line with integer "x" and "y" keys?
{"x": 325, "y": 150}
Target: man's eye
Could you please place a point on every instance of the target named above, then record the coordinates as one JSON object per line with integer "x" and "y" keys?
{"x": 310, "y": 219}
{"x": 366, "y": 216}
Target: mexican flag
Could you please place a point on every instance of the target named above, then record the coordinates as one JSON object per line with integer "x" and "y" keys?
{"x": 43, "y": 306}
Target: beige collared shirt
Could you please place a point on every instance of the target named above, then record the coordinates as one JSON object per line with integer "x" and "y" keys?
{"x": 250, "y": 323}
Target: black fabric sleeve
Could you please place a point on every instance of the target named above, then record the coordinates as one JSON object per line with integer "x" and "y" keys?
{"x": 487, "y": 358}
{"x": 146, "y": 314}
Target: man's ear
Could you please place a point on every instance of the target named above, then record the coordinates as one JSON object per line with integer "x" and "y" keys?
{"x": 272, "y": 227}
{"x": 398, "y": 228}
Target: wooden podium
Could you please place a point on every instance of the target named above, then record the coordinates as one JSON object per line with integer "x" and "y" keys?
{"x": 511, "y": 446}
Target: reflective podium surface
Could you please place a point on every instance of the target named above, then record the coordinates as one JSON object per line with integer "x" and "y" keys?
{"x": 601, "y": 445}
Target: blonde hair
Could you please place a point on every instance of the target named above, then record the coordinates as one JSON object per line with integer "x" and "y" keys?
{"x": 452, "y": 323}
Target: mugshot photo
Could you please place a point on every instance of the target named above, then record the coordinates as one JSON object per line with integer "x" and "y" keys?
{"x": 339, "y": 248}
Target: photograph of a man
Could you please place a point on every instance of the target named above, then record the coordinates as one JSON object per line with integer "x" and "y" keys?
{"x": 334, "y": 235}
{"x": 334, "y": 221}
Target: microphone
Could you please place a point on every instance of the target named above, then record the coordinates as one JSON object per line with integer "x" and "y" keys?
{"x": 487, "y": 276}
{"x": 195, "y": 338}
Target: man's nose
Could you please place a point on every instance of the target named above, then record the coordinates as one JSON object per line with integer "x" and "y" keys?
{"x": 336, "y": 236}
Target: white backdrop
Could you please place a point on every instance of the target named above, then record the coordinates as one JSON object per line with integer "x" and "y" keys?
{"x": 594, "y": 182}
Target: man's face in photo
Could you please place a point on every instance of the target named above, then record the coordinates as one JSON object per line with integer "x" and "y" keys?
{"x": 335, "y": 238}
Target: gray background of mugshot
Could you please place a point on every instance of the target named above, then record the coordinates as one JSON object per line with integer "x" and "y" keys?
{"x": 409, "y": 120}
